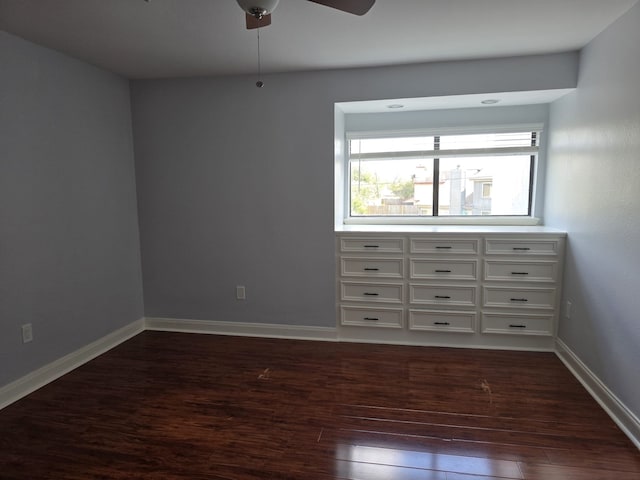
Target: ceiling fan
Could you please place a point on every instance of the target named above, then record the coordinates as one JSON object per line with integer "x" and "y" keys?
{"x": 258, "y": 12}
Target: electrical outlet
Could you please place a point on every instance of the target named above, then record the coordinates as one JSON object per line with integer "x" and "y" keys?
{"x": 567, "y": 309}
{"x": 27, "y": 333}
{"x": 241, "y": 293}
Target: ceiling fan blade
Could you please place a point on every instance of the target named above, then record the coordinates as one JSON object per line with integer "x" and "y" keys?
{"x": 357, "y": 7}
{"x": 253, "y": 22}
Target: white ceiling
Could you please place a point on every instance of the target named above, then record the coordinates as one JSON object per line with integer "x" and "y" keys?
{"x": 171, "y": 38}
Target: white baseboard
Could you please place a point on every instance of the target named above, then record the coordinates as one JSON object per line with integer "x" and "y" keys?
{"x": 38, "y": 378}
{"x": 243, "y": 329}
{"x": 628, "y": 422}
{"x": 355, "y": 335}
{"x": 388, "y": 336}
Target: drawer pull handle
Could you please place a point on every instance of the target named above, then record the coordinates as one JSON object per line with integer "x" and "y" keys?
{"x": 443, "y": 296}
{"x": 369, "y": 269}
{"x": 369, "y": 294}
{"x": 443, "y": 247}
{"x": 370, "y": 318}
{"x": 443, "y": 271}
{"x": 519, "y": 273}
{"x": 372, "y": 246}
{"x": 517, "y": 326}
{"x": 522, "y": 248}
{"x": 519, "y": 300}
{"x": 441, "y": 323}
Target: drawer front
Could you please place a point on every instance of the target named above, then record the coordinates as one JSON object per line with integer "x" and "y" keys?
{"x": 371, "y": 292}
{"x": 534, "y": 271}
{"x": 372, "y": 267}
{"x": 372, "y": 245}
{"x": 429, "y": 268}
{"x": 463, "y": 246}
{"x": 519, "y": 297}
{"x": 515, "y": 324}
{"x": 502, "y": 246}
{"x": 462, "y": 296}
{"x": 371, "y": 317}
{"x": 442, "y": 321}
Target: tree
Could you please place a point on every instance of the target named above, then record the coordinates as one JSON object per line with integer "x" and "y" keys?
{"x": 404, "y": 190}
{"x": 365, "y": 190}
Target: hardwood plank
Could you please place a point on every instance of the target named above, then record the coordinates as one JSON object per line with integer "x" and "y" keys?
{"x": 514, "y": 453}
{"x": 484, "y": 435}
{"x": 556, "y": 472}
{"x": 482, "y": 422}
{"x": 370, "y": 471}
{"x": 185, "y": 406}
{"x": 598, "y": 457}
{"x": 460, "y": 422}
{"x": 464, "y": 476}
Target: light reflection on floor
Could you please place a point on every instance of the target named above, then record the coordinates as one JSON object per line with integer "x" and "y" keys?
{"x": 362, "y": 461}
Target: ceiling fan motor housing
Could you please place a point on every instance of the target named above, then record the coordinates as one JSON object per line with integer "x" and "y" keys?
{"x": 258, "y": 8}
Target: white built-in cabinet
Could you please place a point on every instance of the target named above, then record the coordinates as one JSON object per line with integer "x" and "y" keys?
{"x": 498, "y": 288}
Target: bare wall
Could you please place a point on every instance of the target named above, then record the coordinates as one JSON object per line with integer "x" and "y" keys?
{"x": 69, "y": 247}
{"x": 593, "y": 191}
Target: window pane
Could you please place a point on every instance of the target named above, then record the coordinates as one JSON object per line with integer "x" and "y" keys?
{"x": 485, "y": 140}
{"x": 398, "y": 144}
{"x": 391, "y": 187}
{"x": 479, "y": 174}
{"x": 484, "y": 185}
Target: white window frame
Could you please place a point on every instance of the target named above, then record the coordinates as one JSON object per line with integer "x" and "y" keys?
{"x": 441, "y": 220}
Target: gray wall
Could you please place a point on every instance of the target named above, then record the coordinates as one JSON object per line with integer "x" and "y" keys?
{"x": 593, "y": 191}
{"x": 69, "y": 249}
{"x": 235, "y": 184}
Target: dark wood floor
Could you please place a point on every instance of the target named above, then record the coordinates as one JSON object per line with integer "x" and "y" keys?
{"x": 182, "y": 406}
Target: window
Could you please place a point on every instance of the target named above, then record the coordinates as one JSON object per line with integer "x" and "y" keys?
{"x": 448, "y": 175}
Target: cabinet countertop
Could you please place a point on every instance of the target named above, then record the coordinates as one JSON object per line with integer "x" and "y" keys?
{"x": 479, "y": 229}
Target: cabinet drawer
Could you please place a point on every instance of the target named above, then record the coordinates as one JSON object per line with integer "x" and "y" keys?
{"x": 516, "y": 324}
{"x": 519, "y": 297}
{"x": 522, "y": 246}
{"x": 464, "y": 296}
{"x": 513, "y": 270}
{"x": 371, "y": 317}
{"x": 442, "y": 321}
{"x": 372, "y": 245}
{"x": 372, "y": 267}
{"x": 464, "y": 246}
{"x": 371, "y": 292}
{"x": 430, "y": 268}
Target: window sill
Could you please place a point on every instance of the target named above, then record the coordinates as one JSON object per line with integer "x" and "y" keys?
{"x": 465, "y": 221}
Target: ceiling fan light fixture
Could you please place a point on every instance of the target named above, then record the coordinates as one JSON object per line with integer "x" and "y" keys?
{"x": 258, "y": 8}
